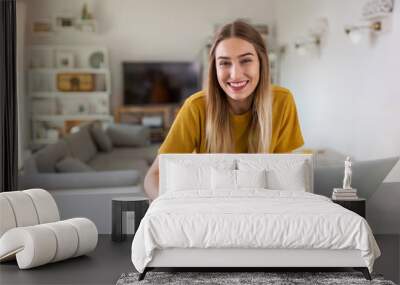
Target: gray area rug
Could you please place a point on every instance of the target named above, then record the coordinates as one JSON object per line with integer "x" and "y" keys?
{"x": 270, "y": 278}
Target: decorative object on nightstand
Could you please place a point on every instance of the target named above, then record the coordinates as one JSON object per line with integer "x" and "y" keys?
{"x": 129, "y": 204}
{"x": 347, "y": 192}
{"x": 355, "y": 205}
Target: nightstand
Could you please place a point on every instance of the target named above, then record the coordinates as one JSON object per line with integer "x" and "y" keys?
{"x": 137, "y": 204}
{"x": 357, "y": 205}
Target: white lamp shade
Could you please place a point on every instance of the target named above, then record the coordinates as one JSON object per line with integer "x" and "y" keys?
{"x": 355, "y": 36}
{"x": 301, "y": 50}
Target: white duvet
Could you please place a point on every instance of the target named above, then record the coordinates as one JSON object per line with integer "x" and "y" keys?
{"x": 252, "y": 218}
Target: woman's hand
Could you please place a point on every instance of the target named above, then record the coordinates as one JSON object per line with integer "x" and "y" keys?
{"x": 151, "y": 181}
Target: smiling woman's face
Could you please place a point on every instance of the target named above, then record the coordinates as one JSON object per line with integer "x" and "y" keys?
{"x": 238, "y": 68}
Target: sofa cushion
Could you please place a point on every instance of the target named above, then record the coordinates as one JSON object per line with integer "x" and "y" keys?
{"x": 80, "y": 180}
{"x": 101, "y": 138}
{"x": 148, "y": 153}
{"x": 81, "y": 144}
{"x": 118, "y": 160}
{"x": 30, "y": 166}
{"x": 72, "y": 164}
{"x": 47, "y": 157}
{"x": 129, "y": 135}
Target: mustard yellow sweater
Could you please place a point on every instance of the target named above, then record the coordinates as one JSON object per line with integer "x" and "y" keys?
{"x": 187, "y": 133}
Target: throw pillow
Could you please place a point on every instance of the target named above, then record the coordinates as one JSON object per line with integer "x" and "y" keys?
{"x": 236, "y": 179}
{"x": 123, "y": 135}
{"x": 101, "y": 139}
{"x": 72, "y": 164}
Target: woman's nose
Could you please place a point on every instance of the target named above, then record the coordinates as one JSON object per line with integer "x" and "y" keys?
{"x": 236, "y": 71}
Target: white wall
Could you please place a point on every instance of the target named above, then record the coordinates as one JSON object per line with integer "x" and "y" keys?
{"x": 348, "y": 97}
{"x": 148, "y": 30}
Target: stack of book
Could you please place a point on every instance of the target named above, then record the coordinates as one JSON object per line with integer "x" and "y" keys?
{"x": 344, "y": 194}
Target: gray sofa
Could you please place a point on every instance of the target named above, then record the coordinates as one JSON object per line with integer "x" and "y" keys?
{"x": 88, "y": 168}
{"x": 81, "y": 160}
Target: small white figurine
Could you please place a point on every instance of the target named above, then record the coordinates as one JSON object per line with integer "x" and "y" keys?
{"x": 347, "y": 174}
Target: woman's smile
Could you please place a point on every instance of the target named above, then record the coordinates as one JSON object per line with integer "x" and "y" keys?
{"x": 237, "y": 86}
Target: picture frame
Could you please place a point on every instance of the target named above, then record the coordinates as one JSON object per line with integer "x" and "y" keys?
{"x": 40, "y": 26}
{"x": 64, "y": 22}
{"x": 65, "y": 59}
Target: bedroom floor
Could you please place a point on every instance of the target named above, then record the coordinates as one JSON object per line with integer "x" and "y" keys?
{"x": 111, "y": 259}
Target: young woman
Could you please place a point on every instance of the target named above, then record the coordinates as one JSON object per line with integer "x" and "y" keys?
{"x": 240, "y": 112}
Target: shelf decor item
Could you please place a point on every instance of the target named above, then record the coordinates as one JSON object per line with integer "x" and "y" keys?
{"x": 65, "y": 59}
{"x": 96, "y": 59}
{"x": 68, "y": 82}
{"x": 70, "y": 124}
{"x": 41, "y": 26}
{"x": 64, "y": 22}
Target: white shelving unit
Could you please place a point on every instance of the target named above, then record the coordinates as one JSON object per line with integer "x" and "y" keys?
{"x": 67, "y": 85}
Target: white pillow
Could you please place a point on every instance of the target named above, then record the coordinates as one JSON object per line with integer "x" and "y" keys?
{"x": 181, "y": 177}
{"x": 236, "y": 179}
{"x": 251, "y": 178}
{"x": 223, "y": 179}
{"x": 185, "y": 174}
{"x": 288, "y": 178}
{"x": 281, "y": 174}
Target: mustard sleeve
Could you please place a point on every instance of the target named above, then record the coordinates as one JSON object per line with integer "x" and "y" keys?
{"x": 289, "y": 136}
{"x": 183, "y": 136}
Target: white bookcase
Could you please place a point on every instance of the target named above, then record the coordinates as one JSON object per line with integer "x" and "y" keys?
{"x": 67, "y": 85}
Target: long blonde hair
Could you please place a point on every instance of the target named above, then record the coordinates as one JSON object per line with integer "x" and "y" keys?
{"x": 219, "y": 137}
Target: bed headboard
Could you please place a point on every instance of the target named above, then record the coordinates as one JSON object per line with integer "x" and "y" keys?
{"x": 237, "y": 161}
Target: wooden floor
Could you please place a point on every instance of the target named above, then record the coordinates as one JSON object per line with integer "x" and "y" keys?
{"x": 111, "y": 259}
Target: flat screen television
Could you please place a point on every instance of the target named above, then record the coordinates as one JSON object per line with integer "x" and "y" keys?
{"x": 159, "y": 82}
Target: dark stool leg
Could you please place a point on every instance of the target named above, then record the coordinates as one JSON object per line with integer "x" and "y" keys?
{"x": 364, "y": 271}
{"x": 143, "y": 274}
{"x": 116, "y": 233}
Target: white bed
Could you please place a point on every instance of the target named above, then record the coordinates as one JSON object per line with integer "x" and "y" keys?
{"x": 219, "y": 210}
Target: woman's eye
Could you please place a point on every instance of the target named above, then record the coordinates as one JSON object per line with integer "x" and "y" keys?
{"x": 246, "y": 60}
{"x": 224, "y": 63}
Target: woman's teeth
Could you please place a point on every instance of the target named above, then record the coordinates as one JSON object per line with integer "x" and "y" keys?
{"x": 238, "y": 84}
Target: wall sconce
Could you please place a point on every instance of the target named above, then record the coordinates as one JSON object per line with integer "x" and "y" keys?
{"x": 355, "y": 32}
{"x": 304, "y": 46}
{"x": 378, "y": 15}
{"x": 316, "y": 38}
